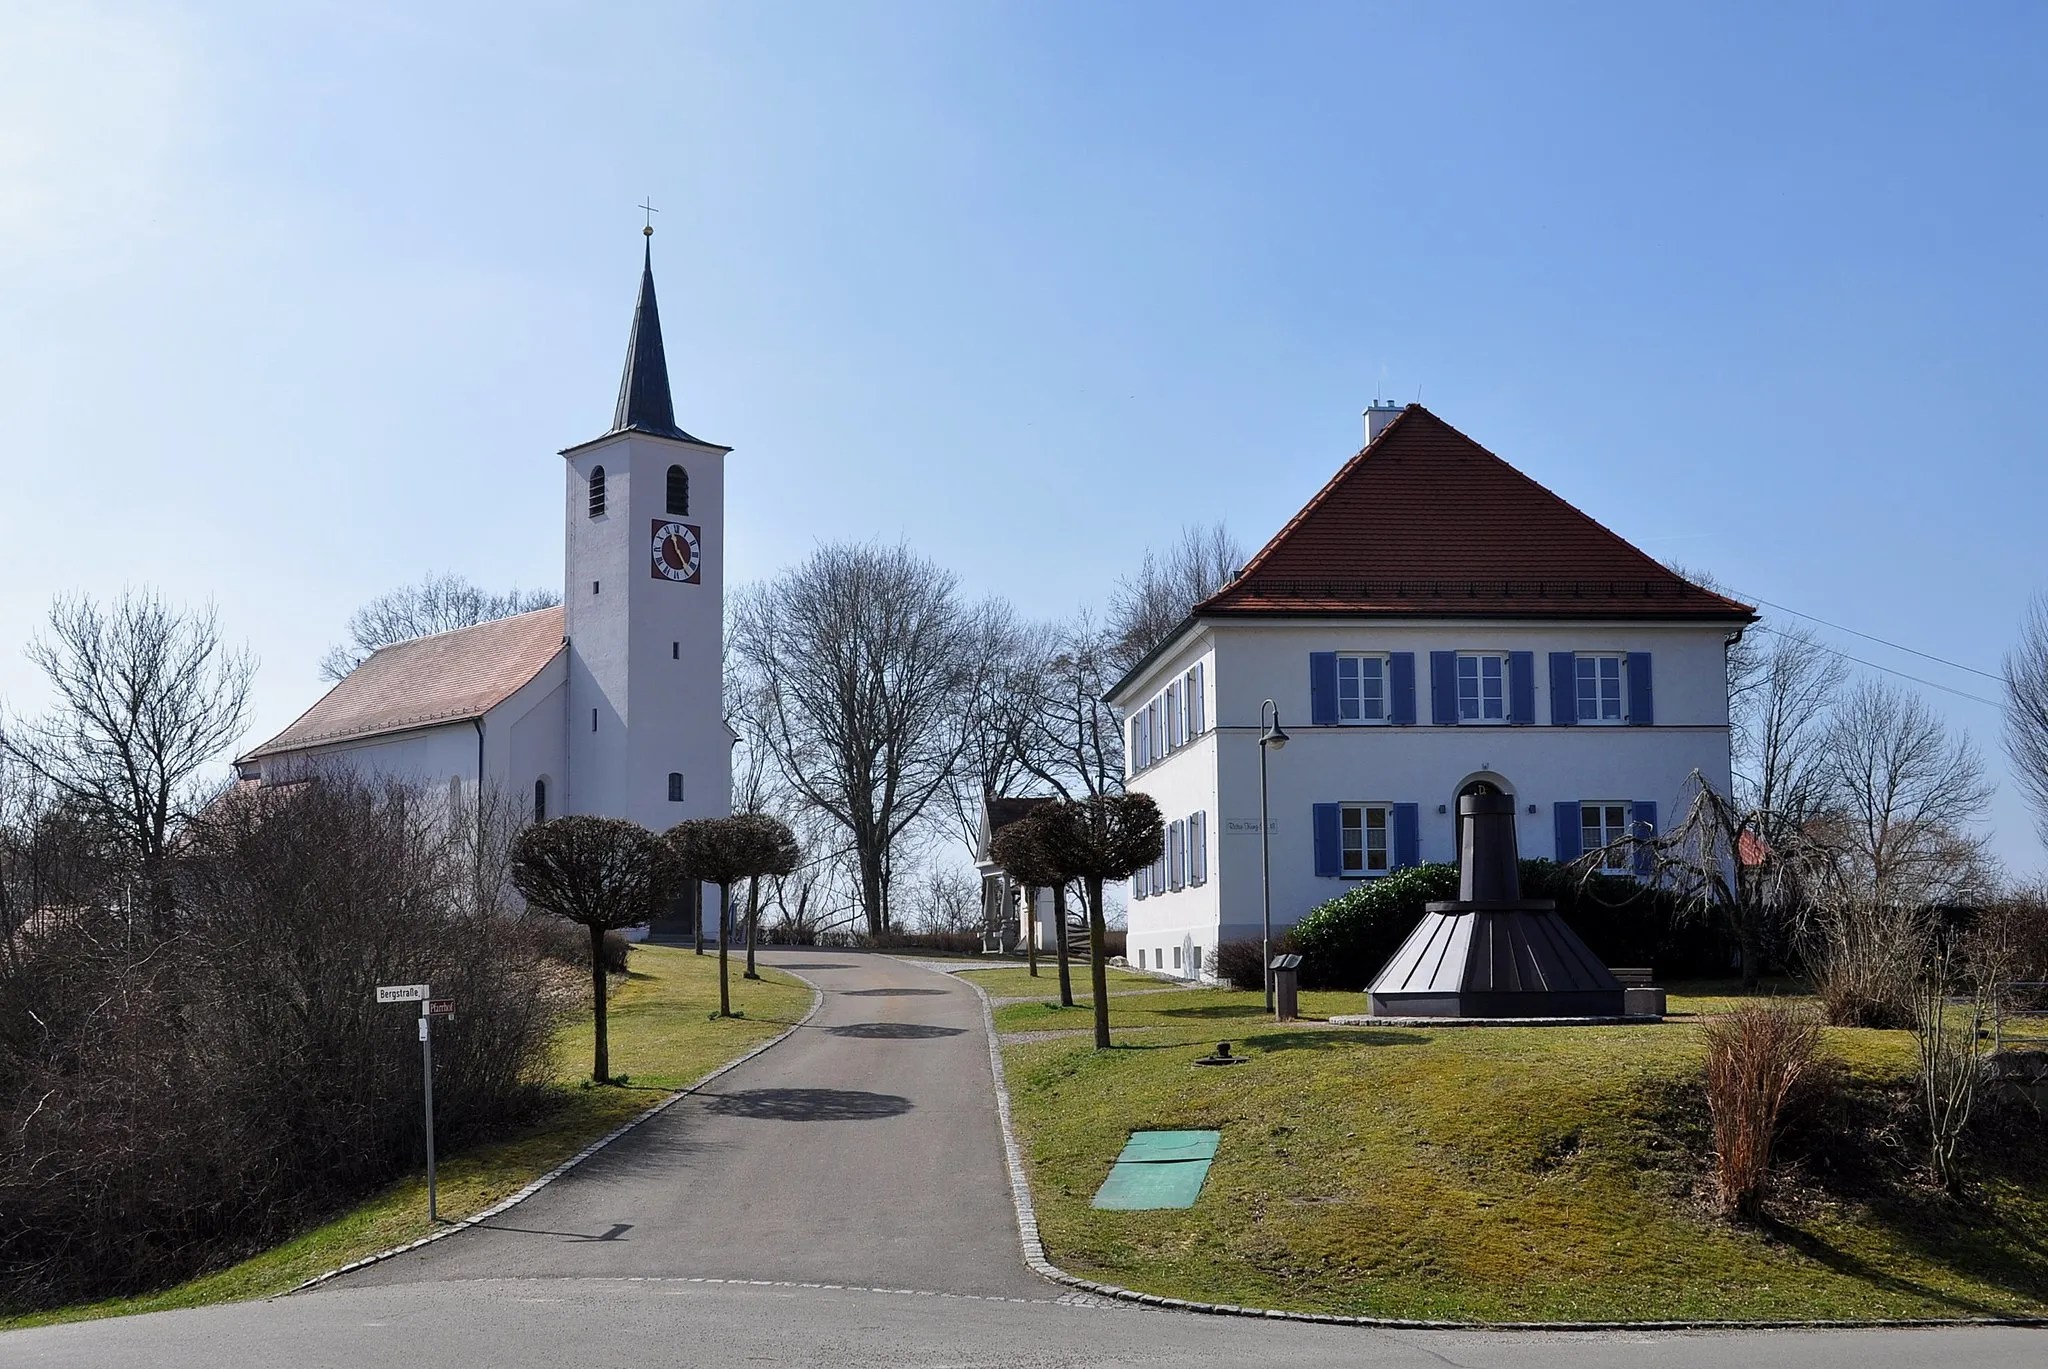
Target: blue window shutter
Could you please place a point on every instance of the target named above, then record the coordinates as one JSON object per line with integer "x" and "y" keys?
{"x": 1564, "y": 688}
{"x": 1643, "y": 823}
{"x": 1329, "y": 842}
{"x": 1521, "y": 686}
{"x": 1138, "y": 885}
{"x": 1641, "y": 712}
{"x": 1322, "y": 688}
{"x": 1407, "y": 836}
{"x": 1443, "y": 687}
{"x": 1570, "y": 846}
{"x": 1401, "y": 687}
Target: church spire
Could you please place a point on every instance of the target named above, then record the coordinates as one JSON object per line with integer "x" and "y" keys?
{"x": 644, "y": 403}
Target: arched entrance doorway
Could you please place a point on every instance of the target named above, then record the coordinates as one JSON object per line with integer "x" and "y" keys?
{"x": 1479, "y": 782}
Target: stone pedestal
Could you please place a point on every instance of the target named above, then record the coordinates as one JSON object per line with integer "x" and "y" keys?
{"x": 1642, "y": 1002}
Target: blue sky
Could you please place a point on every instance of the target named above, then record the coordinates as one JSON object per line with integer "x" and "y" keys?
{"x": 298, "y": 302}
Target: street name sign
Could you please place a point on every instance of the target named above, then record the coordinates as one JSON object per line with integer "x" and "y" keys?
{"x": 401, "y": 993}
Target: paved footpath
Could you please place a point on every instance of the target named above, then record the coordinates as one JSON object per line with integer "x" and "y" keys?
{"x": 864, "y": 1149}
{"x": 840, "y": 1200}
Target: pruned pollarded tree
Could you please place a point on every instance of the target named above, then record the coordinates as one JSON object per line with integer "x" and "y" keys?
{"x": 773, "y": 847}
{"x": 1100, "y": 838}
{"x": 601, "y": 872}
{"x": 724, "y": 851}
{"x": 1020, "y": 850}
{"x": 147, "y": 695}
{"x": 2026, "y": 711}
{"x": 858, "y": 662}
{"x": 439, "y": 603}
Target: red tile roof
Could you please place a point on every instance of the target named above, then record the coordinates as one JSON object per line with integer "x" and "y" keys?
{"x": 1425, "y": 522}
{"x": 449, "y": 677}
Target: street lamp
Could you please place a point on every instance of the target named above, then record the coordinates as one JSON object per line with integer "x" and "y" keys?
{"x": 1270, "y": 736}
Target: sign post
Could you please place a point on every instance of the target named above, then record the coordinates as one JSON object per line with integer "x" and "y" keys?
{"x": 430, "y": 1008}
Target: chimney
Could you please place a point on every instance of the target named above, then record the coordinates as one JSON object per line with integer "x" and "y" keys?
{"x": 1382, "y": 412}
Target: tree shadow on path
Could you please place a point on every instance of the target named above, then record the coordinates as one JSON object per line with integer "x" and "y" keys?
{"x": 809, "y": 1105}
{"x": 894, "y": 1031}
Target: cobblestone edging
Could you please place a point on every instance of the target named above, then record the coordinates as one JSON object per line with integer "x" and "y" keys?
{"x": 1035, "y": 1259}
{"x": 504, "y": 1205}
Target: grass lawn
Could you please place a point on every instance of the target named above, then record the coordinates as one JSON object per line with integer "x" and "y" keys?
{"x": 1015, "y": 981}
{"x": 661, "y": 1036}
{"x": 1484, "y": 1174}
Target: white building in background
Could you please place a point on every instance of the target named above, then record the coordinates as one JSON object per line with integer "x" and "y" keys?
{"x": 612, "y": 703}
{"x": 1432, "y": 619}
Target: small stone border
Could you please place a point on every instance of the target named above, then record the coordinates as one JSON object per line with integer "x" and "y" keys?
{"x": 1035, "y": 1259}
{"x": 506, "y": 1204}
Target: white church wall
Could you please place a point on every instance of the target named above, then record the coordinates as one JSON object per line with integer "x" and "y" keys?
{"x": 429, "y": 757}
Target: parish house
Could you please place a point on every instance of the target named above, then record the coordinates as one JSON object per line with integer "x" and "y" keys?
{"x": 1431, "y": 620}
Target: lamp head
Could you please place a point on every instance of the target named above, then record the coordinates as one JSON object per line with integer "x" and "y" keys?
{"x": 1273, "y": 736}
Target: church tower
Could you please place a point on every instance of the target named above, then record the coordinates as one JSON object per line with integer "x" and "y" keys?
{"x": 644, "y": 601}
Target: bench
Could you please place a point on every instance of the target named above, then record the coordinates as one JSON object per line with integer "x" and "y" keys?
{"x": 1632, "y": 976}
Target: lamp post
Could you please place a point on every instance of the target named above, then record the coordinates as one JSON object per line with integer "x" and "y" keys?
{"x": 1271, "y": 736}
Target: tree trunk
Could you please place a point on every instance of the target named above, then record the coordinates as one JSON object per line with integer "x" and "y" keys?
{"x": 697, "y": 918}
{"x": 1031, "y": 930}
{"x": 871, "y": 892}
{"x": 1059, "y": 938}
{"x": 1098, "y": 968}
{"x": 753, "y": 921}
{"x": 724, "y": 987}
{"x": 601, "y": 1067}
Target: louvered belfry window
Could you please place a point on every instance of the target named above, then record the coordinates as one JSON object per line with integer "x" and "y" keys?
{"x": 597, "y": 491}
{"x": 678, "y": 490}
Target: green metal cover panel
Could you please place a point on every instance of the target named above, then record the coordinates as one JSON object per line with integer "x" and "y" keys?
{"x": 1159, "y": 1169}
{"x": 1171, "y": 1145}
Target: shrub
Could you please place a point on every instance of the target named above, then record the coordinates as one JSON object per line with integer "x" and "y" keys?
{"x": 1757, "y": 1057}
{"x": 1236, "y": 963}
{"x": 170, "y": 1102}
{"x": 568, "y": 944}
{"x": 1346, "y": 941}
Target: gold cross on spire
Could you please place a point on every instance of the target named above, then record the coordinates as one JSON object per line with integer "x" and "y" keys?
{"x": 651, "y": 212}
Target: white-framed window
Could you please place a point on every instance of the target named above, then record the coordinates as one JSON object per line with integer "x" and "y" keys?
{"x": 1600, "y": 824}
{"x": 1198, "y": 849}
{"x": 1197, "y": 705}
{"x": 1361, "y": 688}
{"x": 1366, "y": 838}
{"x": 1482, "y": 687}
{"x": 1600, "y": 677}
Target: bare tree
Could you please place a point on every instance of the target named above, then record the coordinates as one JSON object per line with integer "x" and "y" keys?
{"x": 147, "y": 696}
{"x": 2026, "y": 711}
{"x": 863, "y": 659}
{"x": 1072, "y": 740}
{"x": 999, "y": 712}
{"x": 1781, "y": 694}
{"x": 1895, "y": 846}
{"x": 1906, "y": 792}
{"x": 946, "y": 899}
{"x": 724, "y": 851}
{"x": 439, "y": 603}
{"x": 1144, "y": 607}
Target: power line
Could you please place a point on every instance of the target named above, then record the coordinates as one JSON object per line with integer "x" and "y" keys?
{"x": 1910, "y": 651}
{"x": 1948, "y": 689}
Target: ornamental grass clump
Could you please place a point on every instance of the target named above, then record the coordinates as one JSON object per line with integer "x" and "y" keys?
{"x": 1757, "y": 1057}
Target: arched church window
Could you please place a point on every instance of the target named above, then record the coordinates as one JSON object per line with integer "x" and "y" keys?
{"x": 597, "y": 491}
{"x": 678, "y": 490}
{"x": 540, "y": 800}
{"x": 675, "y": 786}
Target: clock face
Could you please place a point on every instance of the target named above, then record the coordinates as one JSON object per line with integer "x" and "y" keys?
{"x": 677, "y": 552}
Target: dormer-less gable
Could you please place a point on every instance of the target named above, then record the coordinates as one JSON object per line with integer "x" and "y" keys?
{"x": 1425, "y": 522}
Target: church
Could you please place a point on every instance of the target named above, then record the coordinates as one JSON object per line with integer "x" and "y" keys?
{"x": 609, "y": 704}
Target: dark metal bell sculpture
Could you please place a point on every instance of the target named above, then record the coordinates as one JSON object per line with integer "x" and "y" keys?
{"x": 1491, "y": 952}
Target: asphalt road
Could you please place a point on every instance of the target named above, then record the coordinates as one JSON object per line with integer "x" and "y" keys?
{"x": 840, "y": 1200}
{"x": 862, "y": 1150}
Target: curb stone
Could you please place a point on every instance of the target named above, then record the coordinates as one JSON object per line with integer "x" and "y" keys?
{"x": 1035, "y": 1259}
{"x": 506, "y": 1204}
